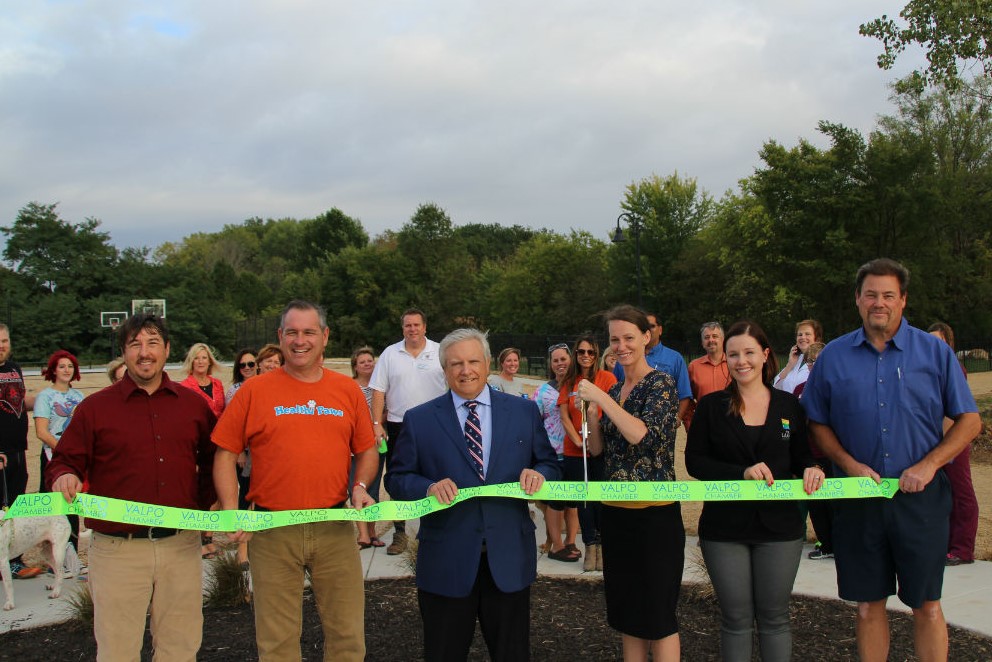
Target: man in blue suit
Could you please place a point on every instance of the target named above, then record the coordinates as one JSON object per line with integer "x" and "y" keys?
{"x": 478, "y": 558}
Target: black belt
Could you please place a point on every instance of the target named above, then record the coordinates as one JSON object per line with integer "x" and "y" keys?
{"x": 269, "y": 510}
{"x": 145, "y": 533}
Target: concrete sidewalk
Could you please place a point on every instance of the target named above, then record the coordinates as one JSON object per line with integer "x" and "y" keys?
{"x": 967, "y": 595}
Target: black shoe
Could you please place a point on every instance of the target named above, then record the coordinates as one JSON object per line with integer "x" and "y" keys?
{"x": 956, "y": 560}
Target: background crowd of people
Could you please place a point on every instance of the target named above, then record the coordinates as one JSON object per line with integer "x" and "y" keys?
{"x": 601, "y": 416}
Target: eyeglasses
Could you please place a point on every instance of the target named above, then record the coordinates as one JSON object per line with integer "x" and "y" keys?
{"x": 246, "y": 364}
{"x": 586, "y": 352}
{"x": 560, "y": 345}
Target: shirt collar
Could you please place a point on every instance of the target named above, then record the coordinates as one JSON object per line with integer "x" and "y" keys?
{"x": 706, "y": 357}
{"x": 483, "y": 398}
{"x": 128, "y": 387}
{"x": 898, "y": 341}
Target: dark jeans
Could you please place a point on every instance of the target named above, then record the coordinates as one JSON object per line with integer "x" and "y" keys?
{"x": 821, "y": 514}
{"x": 15, "y": 477}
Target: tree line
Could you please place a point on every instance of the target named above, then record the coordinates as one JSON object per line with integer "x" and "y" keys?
{"x": 782, "y": 247}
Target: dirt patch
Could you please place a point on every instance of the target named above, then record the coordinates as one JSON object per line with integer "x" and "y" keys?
{"x": 568, "y": 622}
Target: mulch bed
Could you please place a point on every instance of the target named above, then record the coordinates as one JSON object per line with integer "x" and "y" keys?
{"x": 568, "y": 618}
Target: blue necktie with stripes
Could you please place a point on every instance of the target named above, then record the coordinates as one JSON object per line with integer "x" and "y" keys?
{"x": 473, "y": 436}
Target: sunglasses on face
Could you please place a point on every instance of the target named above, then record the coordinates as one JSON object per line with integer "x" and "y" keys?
{"x": 586, "y": 352}
{"x": 246, "y": 364}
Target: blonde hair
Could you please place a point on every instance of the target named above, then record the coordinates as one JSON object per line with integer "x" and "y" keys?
{"x": 112, "y": 368}
{"x": 813, "y": 351}
{"x": 191, "y": 354}
{"x": 365, "y": 349}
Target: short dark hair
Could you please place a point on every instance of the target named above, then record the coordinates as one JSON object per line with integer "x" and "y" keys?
{"x": 133, "y": 325}
{"x": 414, "y": 311}
{"x": 303, "y": 304}
{"x": 882, "y": 266}
{"x": 237, "y": 376}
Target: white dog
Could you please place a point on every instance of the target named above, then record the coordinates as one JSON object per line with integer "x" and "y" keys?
{"x": 20, "y": 534}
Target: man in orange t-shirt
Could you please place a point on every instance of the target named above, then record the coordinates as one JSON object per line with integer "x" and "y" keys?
{"x": 303, "y": 424}
{"x": 708, "y": 373}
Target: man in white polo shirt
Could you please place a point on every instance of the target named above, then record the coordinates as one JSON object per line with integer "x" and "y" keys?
{"x": 407, "y": 374}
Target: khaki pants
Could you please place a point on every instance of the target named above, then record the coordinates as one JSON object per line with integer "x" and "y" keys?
{"x": 128, "y": 576}
{"x": 278, "y": 558}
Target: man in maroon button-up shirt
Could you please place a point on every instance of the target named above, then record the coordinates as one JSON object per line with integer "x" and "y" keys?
{"x": 143, "y": 439}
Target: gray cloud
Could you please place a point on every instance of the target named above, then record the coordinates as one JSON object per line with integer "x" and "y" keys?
{"x": 167, "y": 118}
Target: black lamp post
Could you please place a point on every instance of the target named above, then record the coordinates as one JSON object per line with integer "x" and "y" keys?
{"x": 636, "y": 225}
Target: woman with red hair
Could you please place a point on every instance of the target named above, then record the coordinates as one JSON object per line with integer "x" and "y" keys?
{"x": 54, "y": 405}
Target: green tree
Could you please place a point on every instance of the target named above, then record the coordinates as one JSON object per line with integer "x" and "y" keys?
{"x": 553, "y": 282}
{"x": 956, "y": 36}
{"x": 492, "y": 241}
{"x": 439, "y": 268}
{"x": 328, "y": 234}
{"x": 672, "y": 210}
{"x": 76, "y": 257}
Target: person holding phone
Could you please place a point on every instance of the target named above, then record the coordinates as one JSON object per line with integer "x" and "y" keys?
{"x": 796, "y": 370}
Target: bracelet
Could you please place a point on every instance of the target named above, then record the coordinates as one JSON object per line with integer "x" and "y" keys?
{"x": 376, "y": 423}
{"x": 360, "y": 483}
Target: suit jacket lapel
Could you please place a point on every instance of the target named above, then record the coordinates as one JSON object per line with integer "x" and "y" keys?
{"x": 448, "y": 422}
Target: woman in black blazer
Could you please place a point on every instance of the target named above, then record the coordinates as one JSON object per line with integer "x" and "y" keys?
{"x": 752, "y": 431}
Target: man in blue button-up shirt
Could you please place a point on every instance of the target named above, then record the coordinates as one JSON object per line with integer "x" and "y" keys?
{"x": 876, "y": 401}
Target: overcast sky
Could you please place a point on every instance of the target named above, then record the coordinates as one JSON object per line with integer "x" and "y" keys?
{"x": 166, "y": 118}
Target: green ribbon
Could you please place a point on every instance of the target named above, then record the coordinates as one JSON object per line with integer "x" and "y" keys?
{"x": 143, "y": 514}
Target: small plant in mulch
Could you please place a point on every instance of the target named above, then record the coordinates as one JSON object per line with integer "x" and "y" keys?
{"x": 410, "y": 556}
{"x": 227, "y": 583}
{"x": 79, "y": 605}
{"x": 697, "y": 564}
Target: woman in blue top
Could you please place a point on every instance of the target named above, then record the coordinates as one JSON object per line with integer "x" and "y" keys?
{"x": 53, "y": 410}
{"x": 54, "y": 405}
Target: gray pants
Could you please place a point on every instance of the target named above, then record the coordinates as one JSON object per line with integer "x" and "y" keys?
{"x": 753, "y": 582}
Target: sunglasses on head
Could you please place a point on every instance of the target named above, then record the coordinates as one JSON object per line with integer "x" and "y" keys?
{"x": 246, "y": 364}
{"x": 586, "y": 352}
